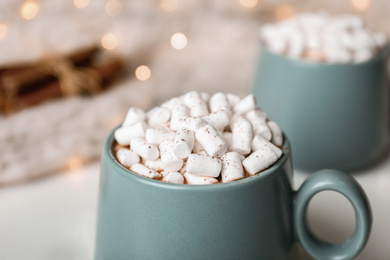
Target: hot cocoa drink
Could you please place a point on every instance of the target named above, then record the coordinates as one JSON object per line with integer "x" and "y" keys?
{"x": 321, "y": 37}
{"x": 198, "y": 139}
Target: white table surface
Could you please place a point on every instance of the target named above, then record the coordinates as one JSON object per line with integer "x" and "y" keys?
{"x": 55, "y": 218}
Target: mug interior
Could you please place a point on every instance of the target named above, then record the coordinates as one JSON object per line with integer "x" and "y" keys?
{"x": 108, "y": 153}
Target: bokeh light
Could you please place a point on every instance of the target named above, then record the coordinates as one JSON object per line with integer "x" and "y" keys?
{"x": 168, "y": 5}
{"x": 143, "y": 73}
{"x": 113, "y": 7}
{"x": 3, "y": 31}
{"x": 179, "y": 41}
{"x": 75, "y": 163}
{"x": 248, "y": 3}
{"x": 283, "y": 12}
{"x": 80, "y": 4}
{"x": 109, "y": 41}
{"x": 360, "y": 5}
{"x": 29, "y": 10}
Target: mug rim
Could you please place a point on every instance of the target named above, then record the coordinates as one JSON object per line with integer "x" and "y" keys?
{"x": 384, "y": 54}
{"x": 127, "y": 173}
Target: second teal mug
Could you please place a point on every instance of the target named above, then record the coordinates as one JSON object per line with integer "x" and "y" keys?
{"x": 336, "y": 115}
{"x": 259, "y": 217}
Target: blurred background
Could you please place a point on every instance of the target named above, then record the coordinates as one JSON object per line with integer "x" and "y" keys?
{"x": 132, "y": 53}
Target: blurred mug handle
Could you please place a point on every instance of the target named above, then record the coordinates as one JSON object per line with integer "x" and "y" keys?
{"x": 350, "y": 188}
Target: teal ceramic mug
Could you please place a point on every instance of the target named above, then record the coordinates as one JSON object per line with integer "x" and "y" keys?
{"x": 336, "y": 115}
{"x": 259, "y": 217}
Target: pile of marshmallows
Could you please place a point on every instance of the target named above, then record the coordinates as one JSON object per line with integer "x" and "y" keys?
{"x": 320, "y": 37}
{"x": 198, "y": 139}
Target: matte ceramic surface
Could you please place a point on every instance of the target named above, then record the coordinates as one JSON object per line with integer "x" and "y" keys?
{"x": 140, "y": 218}
{"x": 336, "y": 115}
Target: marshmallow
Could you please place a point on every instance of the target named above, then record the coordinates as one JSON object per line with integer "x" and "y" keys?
{"x": 348, "y": 40}
{"x": 194, "y": 101}
{"x": 159, "y": 116}
{"x": 172, "y": 103}
{"x": 173, "y": 177}
{"x": 231, "y": 167}
{"x": 259, "y": 142}
{"x": 363, "y": 40}
{"x": 219, "y": 119}
{"x": 183, "y": 143}
{"x": 143, "y": 149}
{"x": 260, "y": 160}
{"x": 203, "y": 165}
{"x": 158, "y": 135}
{"x": 179, "y": 112}
{"x": 259, "y": 124}
{"x": 127, "y": 157}
{"x": 169, "y": 161}
{"x": 331, "y": 40}
{"x": 134, "y": 115}
{"x": 154, "y": 165}
{"x": 313, "y": 40}
{"x": 321, "y": 37}
{"x": 337, "y": 55}
{"x": 233, "y": 99}
{"x": 219, "y": 102}
{"x": 199, "y": 180}
{"x": 351, "y": 21}
{"x": 277, "y": 45}
{"x": 245, "y": 105}
{"x": 379, "y": 38}
{"x": 124, "y": 134}
{"x": 192, "y": 123}
{"x": 277, "y": 135}
{"x": 205, "y": 96}
{"x": 144, "y": 171}
{"x": 197, "y": 147}
{"x": 228, "y": 137}
{"x": 258, "y": 112}
{"x": 242, "y": 135}
{"x": 211, "y": 141}
{"x": 296, "y": 46}
{"x": 363, "y": 55}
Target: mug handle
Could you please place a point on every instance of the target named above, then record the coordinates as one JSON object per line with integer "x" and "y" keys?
{"x": 345, "y": 184}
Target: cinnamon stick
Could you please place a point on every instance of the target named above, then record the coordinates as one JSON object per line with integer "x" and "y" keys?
{"x": 20, "y": 79}
{"x": 53, "y": 89}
